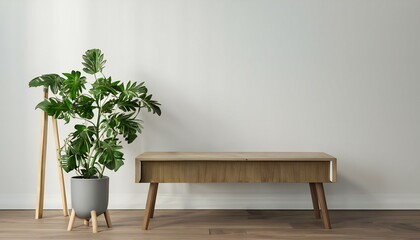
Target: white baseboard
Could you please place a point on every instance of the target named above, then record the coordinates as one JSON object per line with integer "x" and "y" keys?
{"x": 225, "y": 201}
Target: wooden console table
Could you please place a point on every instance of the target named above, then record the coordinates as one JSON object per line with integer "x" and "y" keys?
{"x": 314, "y": 168}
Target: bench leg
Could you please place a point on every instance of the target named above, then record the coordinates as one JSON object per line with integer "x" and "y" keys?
{"x": 152, "y": 211}
{"x": 314, "y": 200}
{"x": 151, "y": 198}
{"x": 323, "y": 204}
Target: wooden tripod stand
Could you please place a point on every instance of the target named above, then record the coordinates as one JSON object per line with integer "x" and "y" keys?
{"x": 42, "y": 161}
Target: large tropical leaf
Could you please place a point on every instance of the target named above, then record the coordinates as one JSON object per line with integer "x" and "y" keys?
{"x": 128, "y": 105}
{"x": 71, "y": 158}
{"x": 89, "y": 172}
{"x": 60, "y": 109}
{"x": 151, "y": 104}
{"x": 93, "y": 60}
{"x": 127, "y": 125}
{"x": 84, "y": 107}
{"x": 108, "y": 154}
{"x": 68, "y": 161}
{"x": 131, "y": 90}
{"x": 52, "y": 81}
{"x": 108, "y": 106}
{"x": 102, "y": 87}
{"x": 82, "y": 138}
{"x": 74, "y": 84}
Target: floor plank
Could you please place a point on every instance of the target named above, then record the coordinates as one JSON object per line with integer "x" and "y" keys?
{"x": 216, "y": 224}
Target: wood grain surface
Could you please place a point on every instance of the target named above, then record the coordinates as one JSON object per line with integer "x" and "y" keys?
{"x": 172, "y": 163}
{"x": 216, "y": 224}
{"x": 233, "y": 172}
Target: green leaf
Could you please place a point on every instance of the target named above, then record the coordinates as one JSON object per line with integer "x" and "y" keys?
{"x": 68, "y": 161}
{"x": 60, "y": 109}
{"x": 71, "y": 158}
{"x": 108, "y": 154}
{"x": 128, "y": 105}
{"x": 89, "y": 172}
{"x": 84, "y": 107}
{"x": 93, "y": 60}
{"x": 45, "y": 106}
{"x": 151, "y": 105}
{"x": 82, "y": 139}
{"x": 74, "y": 84}
{"x": 52, "y": 81}
{"x": 102, "y": 87}
{"x": 131, "y": 90}
{"x": 117, "y": 163}
{"x": 108, "y": 106}
{"x": 127, "y": 125}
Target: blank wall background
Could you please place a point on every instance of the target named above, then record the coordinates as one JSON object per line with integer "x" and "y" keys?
{"x": 341, "y": 77}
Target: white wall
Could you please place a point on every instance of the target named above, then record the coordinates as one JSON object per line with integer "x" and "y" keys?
{"x": 341, "y": 77}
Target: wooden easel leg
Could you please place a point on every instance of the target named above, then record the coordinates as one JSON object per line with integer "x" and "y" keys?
{"x": 323, "y": 205}
{"x": 314, "y": 200}
{"x": 60, "y": 170}
{"x": 86, "y": 222}
{"x": 108, "y": 219}
{"x": 152, "y": 212}
{"x": 147, "y": 212}
{"x": 94, "y": 221}
{"x": 41, "y": 171}
{"x": 71, "y": 220}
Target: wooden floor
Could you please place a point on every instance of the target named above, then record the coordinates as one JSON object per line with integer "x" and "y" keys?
{"x": 217, "y": 224}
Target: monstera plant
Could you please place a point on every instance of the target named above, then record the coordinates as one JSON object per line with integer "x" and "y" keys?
{"x": 104, "y": 112}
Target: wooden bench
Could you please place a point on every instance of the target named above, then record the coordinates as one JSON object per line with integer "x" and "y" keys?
{"x": 314, "y": 168}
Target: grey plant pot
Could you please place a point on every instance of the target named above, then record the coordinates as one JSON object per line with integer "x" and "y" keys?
{"x": 89, "y": 194}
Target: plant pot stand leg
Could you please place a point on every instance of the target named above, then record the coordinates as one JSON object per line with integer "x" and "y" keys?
{"x": 42, "y": 162}
{"x": 94, "y": 219}
{"x": 60, "y": 170}
{"x": 108, "y": 219}
{"x": 71, "y": 220}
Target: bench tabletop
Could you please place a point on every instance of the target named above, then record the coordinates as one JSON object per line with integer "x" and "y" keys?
{"x": 235, "y": 156}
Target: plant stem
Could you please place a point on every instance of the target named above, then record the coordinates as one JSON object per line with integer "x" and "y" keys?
{"x": 102, "y": 171}
{"x": 97, "y": 143}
